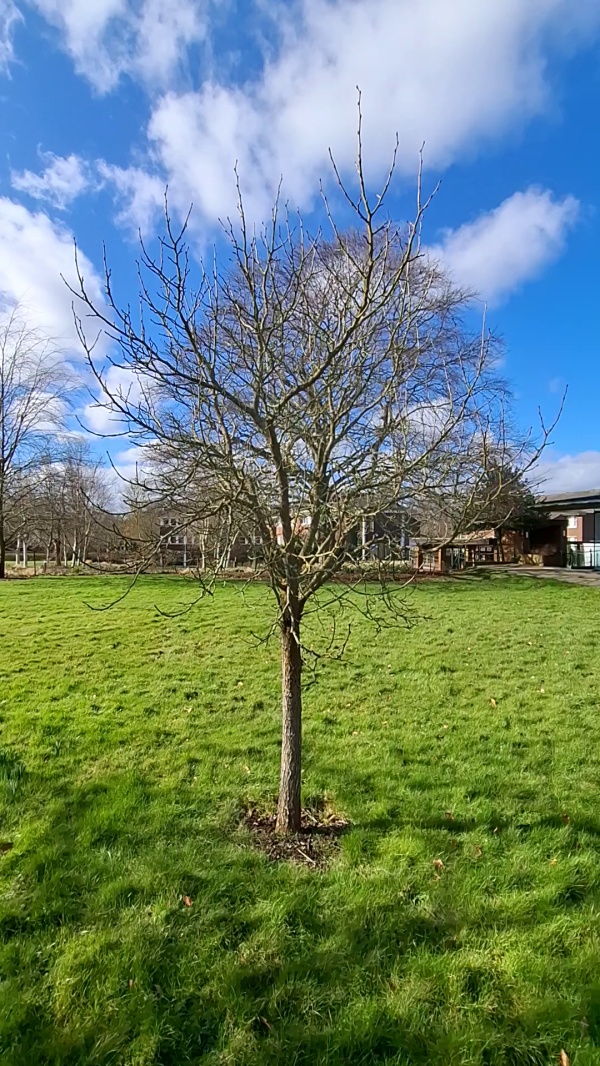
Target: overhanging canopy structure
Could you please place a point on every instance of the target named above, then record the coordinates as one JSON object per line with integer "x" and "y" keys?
{"x": 584, "y": 552}
{"x": 570, "y": 503}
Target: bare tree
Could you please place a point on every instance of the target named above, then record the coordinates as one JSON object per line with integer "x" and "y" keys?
{"x": 32, "y": 406}
{"x": 310, "y": 384}
{"x": 67, "y": 501}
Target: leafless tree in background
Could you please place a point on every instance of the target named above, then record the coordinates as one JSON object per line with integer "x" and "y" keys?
{"x": 67, "y": 502}
{"x": 32, "y": 408}
{"x": 309, "y": 384}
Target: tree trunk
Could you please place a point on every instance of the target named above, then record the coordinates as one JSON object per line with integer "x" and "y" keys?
{"x": 2, "y": 553}
{"x": 499, "y": 532}
{"x": 288, "y": 808}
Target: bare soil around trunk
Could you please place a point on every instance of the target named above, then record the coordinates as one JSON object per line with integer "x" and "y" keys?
{"x": 315, "y": 846}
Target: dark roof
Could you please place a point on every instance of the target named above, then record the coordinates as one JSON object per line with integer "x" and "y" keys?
{"x": 584, "y": 499}
{"x": 558, "y": 497}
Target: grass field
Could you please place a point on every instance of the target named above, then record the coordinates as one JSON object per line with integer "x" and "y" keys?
{"x": 459, "y": 922}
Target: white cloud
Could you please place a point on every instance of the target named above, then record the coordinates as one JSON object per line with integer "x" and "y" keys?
{"x": 9, "y": 17}
{"x": 62, "y": 180}
{"x": 567, "y": 473}
{"x": 35, "y": 252}
{"x": 506, "y": 247}
{"x": 455, "y": 75}
{"x": 132, "y": 464}
{"x": 139, "y": 194}
{"x": 123, "y": 385}
{"x": 146, "y": 39}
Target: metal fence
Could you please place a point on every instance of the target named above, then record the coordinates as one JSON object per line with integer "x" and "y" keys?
{"x": 583, "y": 556}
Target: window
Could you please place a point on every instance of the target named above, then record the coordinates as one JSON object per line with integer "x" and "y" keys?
{"x": 573, "y": 520}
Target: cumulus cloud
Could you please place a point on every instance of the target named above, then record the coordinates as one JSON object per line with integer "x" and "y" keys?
{"x": 35, "y": 252}
{"x": 567, "y": 473}
{"x": 454, "y": 76}
{"x": 138, "y": 193}
{"x": 123, "y": 385}
{"x": 146, "y": 39}
{"x": 62, "y": 180}
{"x": 504, "y": 248}
{"x": 9, "y": 17}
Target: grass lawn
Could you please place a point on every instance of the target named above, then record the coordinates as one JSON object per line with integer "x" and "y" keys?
{"x": 459, "y": 922}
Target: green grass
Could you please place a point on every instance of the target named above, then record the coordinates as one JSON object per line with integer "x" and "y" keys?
{"x": 129, "y": 743}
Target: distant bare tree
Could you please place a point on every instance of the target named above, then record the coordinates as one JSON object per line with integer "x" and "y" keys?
{"x": 68, "y": 499}
{"x": 310, "y": 384}
{"x": 32, "y": 407}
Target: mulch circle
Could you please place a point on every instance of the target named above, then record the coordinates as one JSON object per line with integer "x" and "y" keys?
{"x": 315, "y": 846}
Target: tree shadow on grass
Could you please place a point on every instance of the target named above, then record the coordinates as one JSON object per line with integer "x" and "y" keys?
{"x": 134, "y": 934}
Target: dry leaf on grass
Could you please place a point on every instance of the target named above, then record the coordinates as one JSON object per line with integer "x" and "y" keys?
{"x": 564, "y": 1058}
{"x": 493, "y": 702}
{"x": 187, "y": 901}
{"x": 438, "y": 864}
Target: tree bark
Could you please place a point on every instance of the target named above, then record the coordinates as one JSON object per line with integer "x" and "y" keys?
{"x": 289, "y": 805}
{"x": 2, "y": 553}
{"x": 498, "y": 533}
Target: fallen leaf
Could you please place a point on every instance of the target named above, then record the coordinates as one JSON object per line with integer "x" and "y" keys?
{"x": 246, "y": 769}
{"x": 542, "y": 689}
{"x": 188, "y": 710}
{"x": 564, "y": 1058}
{"x": 566, "y": 818}
{"x": 438, "y": 864}
{"x": 187, "y": 901}
{"x": 6, "y": 845}
{"x": 449, "y": 815}
{"x": 478, "y": 851}
{"x": 131, "y": 982}
{"x": 553, "y": 862}
{"x": 493, "y": 702}
{"x": 356, "y": 732}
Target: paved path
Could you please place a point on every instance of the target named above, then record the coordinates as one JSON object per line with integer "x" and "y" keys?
{"x": 586, "y": 578}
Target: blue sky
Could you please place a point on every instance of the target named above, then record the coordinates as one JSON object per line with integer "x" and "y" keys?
{"x": 105, "y": 101}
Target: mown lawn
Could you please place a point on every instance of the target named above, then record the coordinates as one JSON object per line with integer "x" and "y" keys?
{"x": 459, "y": 922}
